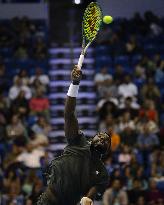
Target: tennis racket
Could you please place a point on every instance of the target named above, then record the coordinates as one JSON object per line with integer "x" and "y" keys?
{"x": 92, "y": 20}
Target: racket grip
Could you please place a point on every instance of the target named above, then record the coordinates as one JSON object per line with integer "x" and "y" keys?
{"x": 80, "y": 62}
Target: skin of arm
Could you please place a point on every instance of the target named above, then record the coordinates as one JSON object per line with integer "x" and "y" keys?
{"x": 71, "y": 126}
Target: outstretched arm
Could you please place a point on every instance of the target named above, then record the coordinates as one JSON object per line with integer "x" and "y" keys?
{"x": 71, "y": 123}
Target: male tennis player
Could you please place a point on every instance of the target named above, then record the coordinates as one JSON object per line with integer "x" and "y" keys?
{"x": 79, "y": 173}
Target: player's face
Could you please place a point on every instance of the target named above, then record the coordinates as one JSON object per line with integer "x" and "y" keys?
{"x": 101, "y": 142}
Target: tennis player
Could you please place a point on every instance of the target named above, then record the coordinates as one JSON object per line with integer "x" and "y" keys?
{"x": 78, "y": 174}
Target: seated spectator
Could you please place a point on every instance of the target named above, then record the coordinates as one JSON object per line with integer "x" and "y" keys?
{"x": 24, "y": 77}
{"x": 37, "y": 190}
{"x": 115, "y": 194}
{"x": 130, "y": 107}
{"x": 127, "y": 89}
{"x": 153, "y": 194}
{"x": 127, "y": 178}
{"x": 10, "y": 158}
{"x": 43, "y": 78}
{"x": 149, "y": 111}
{"x": 159, "y": 74}
{"x": 17, "y": 87}
{"x": 136, "y": 191}
{"x": 38, "y": 140}
{"x": 150, "y": 91}
{"x": 140, "y": 175}
{"x": 147, "y": 140}
{"x": 124, "y": 157}
{"x": 141, "y": 201}
{"x": 41, "y": 126}
{"x": 39, "y": 104}
{"x": 103, "y": 81}
{"x": 131, "y": 45}
{"x": 27, "y": 185}
{"x": 20, "y": 105}
{"x": 126, "y": 129}
{"x": 4, "y": 82}
{"x": 30, "y": 157}
{"x": 115, "y": 141}
{"x": 21, "y": 53}
{"x": 14, "y": 195}
{"x": 40, "y": 49}
{"x": 106, "y": 107}
{"x": 15, "y": 129}
{"x": 118, "y": 74}
{"x": 147, "y": 65}
{"x": 37, "y": 85}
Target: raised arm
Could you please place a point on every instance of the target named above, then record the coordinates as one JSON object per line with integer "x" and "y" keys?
{"x": 71, "y": 124}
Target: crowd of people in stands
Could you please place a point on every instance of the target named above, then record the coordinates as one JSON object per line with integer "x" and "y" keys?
{"x": 24, "y": 130}
{"x": 131, "y": 105}
{"x": 24, "y": 110}
{"x": 22, "y": 39}
{"x": 134, "y": 114}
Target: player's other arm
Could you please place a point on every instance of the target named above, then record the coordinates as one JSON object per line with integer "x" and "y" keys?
{"x": 71, "y": 123}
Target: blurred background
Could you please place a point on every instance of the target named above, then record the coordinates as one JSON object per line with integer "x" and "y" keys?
{"x": 122, "y": 89}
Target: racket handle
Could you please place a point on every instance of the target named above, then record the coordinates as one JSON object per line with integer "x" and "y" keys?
{"x": 80, "y": 62}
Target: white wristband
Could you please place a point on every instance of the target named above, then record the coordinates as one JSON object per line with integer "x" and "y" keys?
{"x": 73, "y": 90}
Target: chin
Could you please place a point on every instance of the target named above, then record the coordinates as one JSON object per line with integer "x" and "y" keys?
{"x": 100, "y": 149}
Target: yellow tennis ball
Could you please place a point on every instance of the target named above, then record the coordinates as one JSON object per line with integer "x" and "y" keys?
{"x": 107, "y": 19}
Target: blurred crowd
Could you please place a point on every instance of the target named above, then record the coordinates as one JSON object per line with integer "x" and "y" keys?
{"x": 24, "y": 130}
{"x": 131, "y": 106}
{"x": 21, "y": 39}
{"x": 24, "y": 110}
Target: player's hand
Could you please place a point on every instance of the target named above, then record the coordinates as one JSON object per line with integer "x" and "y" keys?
{"x": 86, "y": 201}
{"x": 76, "y": 75}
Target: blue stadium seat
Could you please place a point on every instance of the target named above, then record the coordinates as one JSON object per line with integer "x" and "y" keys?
{"x": 122, "y": 60}
{"x": 103, "y": 61}
{"x": 135, "y": 59}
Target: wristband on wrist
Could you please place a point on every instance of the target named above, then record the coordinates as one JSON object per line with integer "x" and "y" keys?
{"x": 73, "y": 90}
{"x": 75, "y": 82}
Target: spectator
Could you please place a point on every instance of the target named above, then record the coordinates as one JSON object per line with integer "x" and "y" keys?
{"x": 37, "y": 85}
{"x": 115, "y": 195}
{"x": 130, "y": 107}
{"x": 24, "y": 77}
{"x": 147, "y": 140}
{"x": 106, "y": 107}
{"x": 153, "y": 194}
{"x": 40, "y": 49}
{"x": 127, "y": 89}
{"x": 124, "y": 157}
{"x": 43, "y": 78}
{"x": 38, "y": 140}
{"x": 103, "y": 81}
{"x": 21, "y": 53}
{"x": 39, "y": 104}
{"x": 30, "y": 157}
{"x": 41, "y": 126}
{"x": 20, "y": 105}
{"x": 150, "y": 91}
{"x": 136, "y": 191}
{"x": 15, "y": 129}
{"x": 17, "y": 87}
{"x": 4, "y": 82}
{"x": 37, "y": 190}
{"x": 131, "y": 45}
{"x": 149, "y": 112}
{"x": 118, "y": 73}
{"x": 159, "y": 74}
